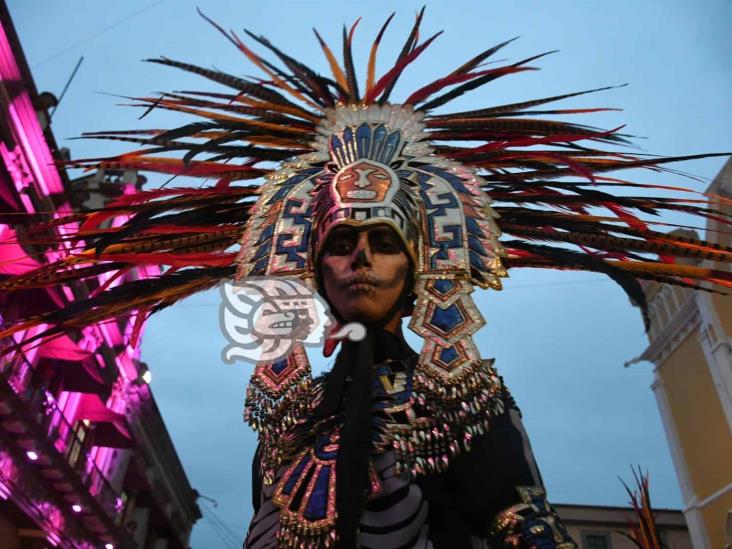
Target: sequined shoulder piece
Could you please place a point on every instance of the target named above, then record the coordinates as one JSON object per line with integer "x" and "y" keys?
{"x": 279, "y": 393}
{"x": 445, "y": 417}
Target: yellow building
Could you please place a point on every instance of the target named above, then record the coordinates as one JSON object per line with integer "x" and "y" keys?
{"x": 691, "y": 348}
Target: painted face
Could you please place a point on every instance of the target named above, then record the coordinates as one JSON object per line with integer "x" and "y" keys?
{"x": 364, "y": 181}
{"x": 364, "y": 271}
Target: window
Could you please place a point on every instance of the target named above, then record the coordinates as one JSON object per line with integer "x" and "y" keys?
{"x": 596, "y": 540}
{"x": 76, "y": 445}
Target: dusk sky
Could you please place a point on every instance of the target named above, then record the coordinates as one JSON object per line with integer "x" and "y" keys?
{"x": 560, "y": 339}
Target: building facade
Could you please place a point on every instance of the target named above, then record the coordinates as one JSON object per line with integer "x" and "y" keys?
{"x": 691, "y": 349}
{"x": 85, "y": 458}
{"x": 604, "y": 527}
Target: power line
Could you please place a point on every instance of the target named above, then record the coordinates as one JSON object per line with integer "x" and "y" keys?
{"x": 227, "y": 542}
{"x": 221, "y": 529}
{"x": 66, "y": 87}
{"x": 96, "y": 34}
{"x": 564, "y": 283}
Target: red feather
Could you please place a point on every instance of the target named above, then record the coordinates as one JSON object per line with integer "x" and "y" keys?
{"x": 423, "y": 93}
{"x": 397, "y": 69}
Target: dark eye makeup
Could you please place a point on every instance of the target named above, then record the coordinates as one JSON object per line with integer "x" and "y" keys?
{"x": 384, "y": 241}
{"x": 341, "y": 241}
{"x": 381, "y": 240}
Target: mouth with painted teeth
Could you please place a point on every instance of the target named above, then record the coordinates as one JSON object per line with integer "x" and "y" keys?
{"x": 283, "y": 324}
{"x": 360, "y": 287}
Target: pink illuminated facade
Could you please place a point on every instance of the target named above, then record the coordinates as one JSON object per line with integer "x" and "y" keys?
{"x": 85, "y": 458}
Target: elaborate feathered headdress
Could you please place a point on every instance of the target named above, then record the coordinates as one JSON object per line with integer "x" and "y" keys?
{"x": 450, "y": 184}
{"x": 546, "y": 179}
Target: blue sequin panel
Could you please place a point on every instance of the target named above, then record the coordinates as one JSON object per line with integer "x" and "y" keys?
{"x": 443, "y": 286}
{"x": 455, "y": 181}
{"x": 285, "y": 188}
{"x": 363, "y": 140}
{"x": 438, "y": 211}
{"x": 317, "y": 505}
{"x": 279, "y": 366}
{"x": 366, "y": 142}
{"x": 448, "y": 355}
{"x": 321, "y": 442}
{"x": 447, "y": 319}
{"x": 290, "y": 483}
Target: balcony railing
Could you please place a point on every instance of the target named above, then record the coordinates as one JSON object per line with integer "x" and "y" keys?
{"x": 74, "y": 443}
{"x": 70, "y": 440}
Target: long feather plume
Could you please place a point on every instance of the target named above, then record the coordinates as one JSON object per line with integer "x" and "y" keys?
{"x": 553, "y": 182}
{"x": 371, "y": 69}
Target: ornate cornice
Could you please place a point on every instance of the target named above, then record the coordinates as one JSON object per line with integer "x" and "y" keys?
{"x": 673, "y": 333}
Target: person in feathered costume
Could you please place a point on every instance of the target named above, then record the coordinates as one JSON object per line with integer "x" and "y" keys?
{"x": 392, "y": 448}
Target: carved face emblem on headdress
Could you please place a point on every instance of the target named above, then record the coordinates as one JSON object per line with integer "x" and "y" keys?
{"x": 364, "y": 181}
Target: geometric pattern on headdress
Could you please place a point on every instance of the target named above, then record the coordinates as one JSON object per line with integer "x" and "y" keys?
{"x": 446, "y": 317}
{"x": 365, "y": 147}
{"x": 547, "y": 178}
{"x": 277, "y": 237}
{"x": 378, "y": 132}
{"x": 461, "y": 235}
{"x": 436, "y": 205}
{"x": 377, "y": 143}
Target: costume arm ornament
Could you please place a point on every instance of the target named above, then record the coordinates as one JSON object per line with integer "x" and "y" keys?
{"x": 531, "y": 524}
